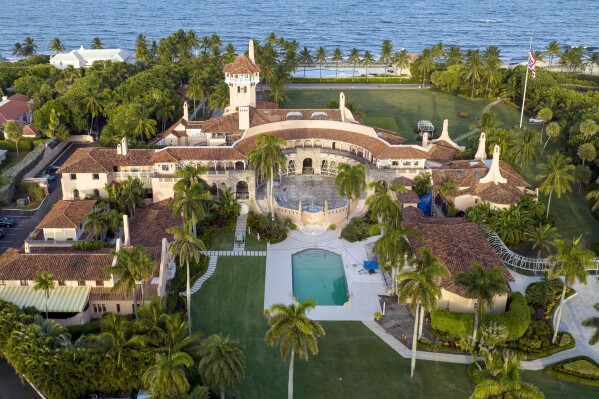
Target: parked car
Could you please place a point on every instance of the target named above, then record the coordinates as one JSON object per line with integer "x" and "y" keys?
{"x": 48, "y": 176}
{"x": 536, "y": 120}
{"x": 6, "y": 221}
{"x": 2, "y": 233}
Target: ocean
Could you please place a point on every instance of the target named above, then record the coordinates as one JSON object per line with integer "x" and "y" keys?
{"x": 413, "y": 25}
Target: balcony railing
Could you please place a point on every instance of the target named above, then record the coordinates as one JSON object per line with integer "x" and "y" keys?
{"x": 141, "y": 175}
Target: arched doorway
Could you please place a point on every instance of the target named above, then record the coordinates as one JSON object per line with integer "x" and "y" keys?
{"x": 307, "y": 168}
{"x": 75, "y": 194}
{"x": 241, "y": 190}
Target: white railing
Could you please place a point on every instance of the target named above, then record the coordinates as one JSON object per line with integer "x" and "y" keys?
{"x": 124, "y": 175}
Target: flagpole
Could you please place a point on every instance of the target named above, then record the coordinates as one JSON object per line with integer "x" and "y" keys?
{"x": 525, "y": 84}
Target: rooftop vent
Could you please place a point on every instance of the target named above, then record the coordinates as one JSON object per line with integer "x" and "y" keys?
{"x": 319, "y": 115}
{"x": 294, "y": 116}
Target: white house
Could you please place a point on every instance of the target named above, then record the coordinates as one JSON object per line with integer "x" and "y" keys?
{"x": 84, "y": 58}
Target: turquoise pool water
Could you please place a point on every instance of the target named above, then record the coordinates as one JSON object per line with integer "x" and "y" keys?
{"x": 318, "y": 275}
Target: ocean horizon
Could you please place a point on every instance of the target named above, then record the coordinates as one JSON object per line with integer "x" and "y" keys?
{"x": 469, "y": 24}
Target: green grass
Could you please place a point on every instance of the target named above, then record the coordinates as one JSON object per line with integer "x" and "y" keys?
{"x": 352, "y": 363}
{"x": 384, "y": 122}
{"x": 407, "y": 107}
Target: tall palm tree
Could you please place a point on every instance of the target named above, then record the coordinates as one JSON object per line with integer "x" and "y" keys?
{"x": 483, "y": 284}
{"x": 385, "y": 58}
{"x": 321, "y": 56}
{"x": 96, "y": 223}
{"x": 305, "y": 58}
{"x": 383, "y": 204}
{"x": 97, "y": 43}
{"x": 426, "y": 64}
{"x": 420, "y": 288}
{"x": 541, "y": 237}
{"x": 267, "y": 159}
{"x": 350, "y": 182}
{"x": 506, "y": 381}
{"x": 44, "y": 282}
{"x": 167, "y": 378}
{"x": 187, "y": 248}
{"x": 292, "y": 331}
{"x": 556, "y": 176}
{"x": 56, "y": 46}
{"x": 337, "y": 57}
{"x": 221, "y": 362}
{"x": 401, "y": 60}
{"x": 553, "y": 48}
{"x": 131, "y": 266}
{"x": 354, "y": 58}
{"x": 593, "y": 322}
{"x": 572, "y": 263}
{"x": 367, "y": 61}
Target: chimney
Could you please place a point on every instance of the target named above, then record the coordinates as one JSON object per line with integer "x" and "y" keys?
{"x": 481, "y": 153}
{"x": 185, "y": 111}
{"x": 251, "y": 51}
{"x": 425, "y": 140}
{"x": 243, "y": 114}
{"x": 342, "y": 106}
{"x": 124, "y": 146}
{"x": 494, "y": 174}
{"x": 126, "y": 231}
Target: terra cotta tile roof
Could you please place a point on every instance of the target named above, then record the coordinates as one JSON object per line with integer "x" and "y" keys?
{"x": 67, "y": 214}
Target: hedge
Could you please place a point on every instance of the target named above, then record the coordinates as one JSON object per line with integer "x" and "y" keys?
{"x": 456, "y": 324}
{"x": 459, "y": 324}
{"x": 516, "y": 319}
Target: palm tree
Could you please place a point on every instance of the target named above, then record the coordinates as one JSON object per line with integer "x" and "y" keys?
{"x": 187, "y": 248}
{"x": 401, "y": 60}
{"x": 350, "y": 182}
{"x": 354, "y": 58}
{"x": 593, "y": 322}
{"x": 267, "y": 159}
{"x": 383, "y": 204}
{"x": 96, "y": 222}
{"x": 541, "y": 237}
{"x": 321, "y": 57}
{"x": 385, "y": 59}
{"x": 56, "y": 46}
{"x": 337, "y": 58}
{"x": 506, "y": 381}
{"x": 426, "y": 64}
{"x": 556, "y": 177}
{"x": 483, "y": 284}
{"x": 305, "y": 58}
{"x": 131, "y": 266}
{"x": 166, "y": 378}
{"x": 553, "y": 48}
{"x": 367, "y": 60}
{"x": 221, "y": 362}
{"x": 292, "y": 331}
{"x": 97, "y": 43}
{"x": 420, "y": 289}
{"x": 572, "y": 263}
{"x": 44, "y": 282}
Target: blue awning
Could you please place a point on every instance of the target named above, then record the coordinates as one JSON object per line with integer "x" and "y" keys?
{"x": 371, "y": 264}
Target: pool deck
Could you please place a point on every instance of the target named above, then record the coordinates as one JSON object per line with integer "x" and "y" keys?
{"x": 364, "y": 288}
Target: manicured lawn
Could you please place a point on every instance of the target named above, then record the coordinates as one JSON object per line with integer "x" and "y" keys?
{"x": 407, "y": 107}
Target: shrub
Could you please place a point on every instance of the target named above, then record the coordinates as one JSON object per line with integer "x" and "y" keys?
{"x": 456, "y": 324}
{"x": 87, "y": 245}
{"x": 463, "y": 114}
{"x": 516, "y": 319}
{"x": 357, "y": 229}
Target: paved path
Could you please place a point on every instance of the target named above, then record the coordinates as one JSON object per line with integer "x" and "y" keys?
{"x": 476, "y": 130}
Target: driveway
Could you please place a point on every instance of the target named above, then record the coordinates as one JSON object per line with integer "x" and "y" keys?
{"x": 26, "y": 221}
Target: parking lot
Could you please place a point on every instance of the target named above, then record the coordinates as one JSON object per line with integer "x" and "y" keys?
{"x": 25, "y": 221}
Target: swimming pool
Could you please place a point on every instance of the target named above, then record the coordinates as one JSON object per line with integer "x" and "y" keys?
{"x": 318, "y": 275}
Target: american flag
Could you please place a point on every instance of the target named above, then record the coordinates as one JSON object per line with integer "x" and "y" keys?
{"x": 532, "y": 64}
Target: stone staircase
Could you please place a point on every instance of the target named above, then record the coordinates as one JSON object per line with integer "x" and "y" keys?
{"x": 240, "y": 227}
{"x": 209, "y": 272}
